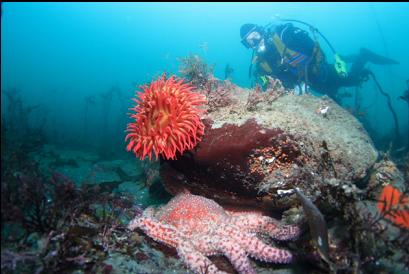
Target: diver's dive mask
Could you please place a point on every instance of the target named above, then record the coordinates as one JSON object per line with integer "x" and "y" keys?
{"x": 252, "y": 39}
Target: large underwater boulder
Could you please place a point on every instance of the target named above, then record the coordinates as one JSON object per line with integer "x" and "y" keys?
{"x": 258, "y": 145}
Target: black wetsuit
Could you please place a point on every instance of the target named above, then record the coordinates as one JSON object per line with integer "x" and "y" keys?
{"x": 328, "y": 81}
{"x": 321, "y": 76}
{"x": 294, "y": 39}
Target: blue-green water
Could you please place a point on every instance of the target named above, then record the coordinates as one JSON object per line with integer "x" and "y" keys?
{"x": 57, "y": 54}
{"x": 70, "y": 188}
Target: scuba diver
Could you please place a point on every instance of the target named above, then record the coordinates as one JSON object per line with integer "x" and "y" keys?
{"x": 289, "y": 53}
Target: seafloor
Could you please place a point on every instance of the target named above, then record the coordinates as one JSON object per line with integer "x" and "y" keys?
{"x": 66, "y": 210}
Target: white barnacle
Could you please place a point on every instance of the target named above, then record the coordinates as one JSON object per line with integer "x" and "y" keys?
{"x": 319, "y": 241}
{"x": 282, "y": 192}
{"x": 270, "y": 160}
{"x": 324, "y": 110}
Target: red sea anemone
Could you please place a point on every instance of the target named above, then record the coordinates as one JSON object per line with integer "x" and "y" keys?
{"x": 166, "y": 119}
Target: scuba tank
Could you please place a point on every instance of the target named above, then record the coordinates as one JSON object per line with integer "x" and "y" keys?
{"x": 339, "y": 65}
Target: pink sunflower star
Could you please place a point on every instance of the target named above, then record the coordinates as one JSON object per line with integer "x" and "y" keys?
{"x": 198, "y": 227}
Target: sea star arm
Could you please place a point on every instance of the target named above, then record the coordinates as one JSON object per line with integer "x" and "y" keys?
{"x": 236, "y": 255}
{"x": 163, "y": 233}
{"x": 253, "y": 222}
{"x": 258, "y": 249}
{"x": 195, "y": 260}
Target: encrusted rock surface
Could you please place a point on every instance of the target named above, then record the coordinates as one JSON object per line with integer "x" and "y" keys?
{"x": 264, "y": 143}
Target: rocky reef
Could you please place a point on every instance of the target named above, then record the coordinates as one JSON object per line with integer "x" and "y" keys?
{"x": 71, "y": 211}
{"x": 259, "y": 144}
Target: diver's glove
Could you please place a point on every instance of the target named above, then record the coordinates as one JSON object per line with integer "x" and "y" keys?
{"x": 340, "y": 66}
